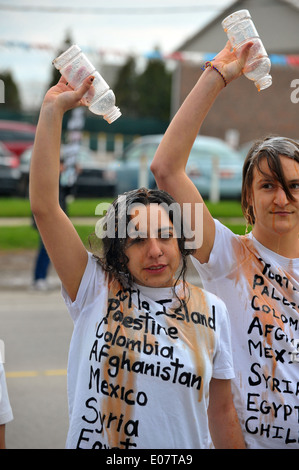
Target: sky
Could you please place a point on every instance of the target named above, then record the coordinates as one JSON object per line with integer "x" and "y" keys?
{"x": 31, "y": 32}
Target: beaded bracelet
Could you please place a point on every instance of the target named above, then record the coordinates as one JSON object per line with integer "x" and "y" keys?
{"x": 209, "y": 64}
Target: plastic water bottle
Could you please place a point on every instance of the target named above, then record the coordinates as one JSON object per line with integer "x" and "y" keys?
{"x": 240, "y": 29}
{"x": 74, "y": 66}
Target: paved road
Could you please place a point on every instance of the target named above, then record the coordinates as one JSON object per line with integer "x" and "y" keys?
{"x": 36, "y": 330}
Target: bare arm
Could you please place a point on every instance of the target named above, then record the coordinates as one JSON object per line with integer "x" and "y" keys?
{"x": 172, "y": 155}
{"x": 224, "y": 424}
{"x": 61, "y": 240}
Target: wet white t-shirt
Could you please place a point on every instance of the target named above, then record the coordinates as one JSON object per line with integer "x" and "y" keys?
{"x": 140, "y": 364}
{"x": 6, "y": 414}
{"x": 261, "y": 291}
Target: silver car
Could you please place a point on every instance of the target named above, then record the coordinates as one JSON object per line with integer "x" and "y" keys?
{"x": 209, "y": 157}
{"x": 93, "y": 179}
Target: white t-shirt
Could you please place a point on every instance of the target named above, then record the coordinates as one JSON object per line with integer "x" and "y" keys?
{"x": 140, "y": 364}
{"x": 6, "y": 414}
{"x": 260, "y": 289}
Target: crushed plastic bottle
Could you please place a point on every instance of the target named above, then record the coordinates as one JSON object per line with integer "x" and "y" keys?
{"x": 74, "y": 66}
{"x": 240, "y": 29}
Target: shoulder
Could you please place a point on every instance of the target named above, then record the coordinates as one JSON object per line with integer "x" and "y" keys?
{"x": 229, "y": 244}
{"x": 93, "y": 283}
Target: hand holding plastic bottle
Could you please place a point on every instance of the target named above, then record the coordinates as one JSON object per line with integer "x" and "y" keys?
{"x": 75, "y": 67}
{"x": 64, "y": 97}
{"x": 229, "y": 64}
{"x": 240, "y": 30}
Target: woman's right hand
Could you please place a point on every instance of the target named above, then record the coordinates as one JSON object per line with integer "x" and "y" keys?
{"x": 231, "y": 65}
{"x": 64, "y": 97}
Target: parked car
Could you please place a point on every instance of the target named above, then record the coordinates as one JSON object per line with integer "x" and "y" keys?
{"x": 93, "y": 179}
{"x": 127, "y": 167}
{"x": 9, "y": 171}
{"x": 17, "y": 136}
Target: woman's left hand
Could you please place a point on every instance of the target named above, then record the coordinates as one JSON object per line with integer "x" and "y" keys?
{"x": 63, "y": 96}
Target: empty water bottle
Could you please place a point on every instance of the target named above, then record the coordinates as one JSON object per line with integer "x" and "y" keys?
{"x": 240, "y": 29}
{"x": 74, "y": 66}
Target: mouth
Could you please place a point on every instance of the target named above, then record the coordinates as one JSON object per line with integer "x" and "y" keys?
{"x": 281, "y": 213}
{"x": 156, "y": 269}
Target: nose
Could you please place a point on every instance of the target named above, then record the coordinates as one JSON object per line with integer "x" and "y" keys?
{"x": 154, "y": 248}
{"x": 280, "y": 198}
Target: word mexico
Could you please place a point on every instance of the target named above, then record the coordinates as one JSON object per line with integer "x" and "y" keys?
{"x": 181, "y": 217}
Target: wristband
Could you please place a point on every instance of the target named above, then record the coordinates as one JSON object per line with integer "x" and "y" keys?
{"x": 209, "y": 64}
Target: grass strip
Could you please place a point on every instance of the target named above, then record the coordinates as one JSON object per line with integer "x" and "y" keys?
{"x": 26, "y": 237}
{"x": 18, "y": 207}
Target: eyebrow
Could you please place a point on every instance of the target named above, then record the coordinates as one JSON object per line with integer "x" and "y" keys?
{"x": 160, "y": 230}
{"x": 270, "y": 178}
{"x": 265, "y": 177}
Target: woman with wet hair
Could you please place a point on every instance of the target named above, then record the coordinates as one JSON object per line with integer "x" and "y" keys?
{"x": 150, "y": 357}
{"x": 112, "y": 249}
{"x": 256, "y": 275}
{"x": 270, "y": 149}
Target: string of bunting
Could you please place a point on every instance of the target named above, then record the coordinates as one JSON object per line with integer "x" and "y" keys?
{"x": 182, "y": 56}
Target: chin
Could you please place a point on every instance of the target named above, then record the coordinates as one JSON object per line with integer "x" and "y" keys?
{"x": 282, "y": 228}
{"x": 157, "y": 283}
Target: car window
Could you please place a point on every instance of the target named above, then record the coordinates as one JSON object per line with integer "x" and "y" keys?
{"x": 85, "y": 157}
{"x": 225, "y": 154}
{"x": 135, "y": 152}
{"x": 3, "y": 150}
{"x": 10, "y": 135}
{"x": 26, "y": 156}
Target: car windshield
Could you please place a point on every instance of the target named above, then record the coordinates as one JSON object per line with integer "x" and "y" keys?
{"x": 136, "y": 151}
{"x": 26, "y": 156}
{"x": 201, "y": 152}
{"x": 16, "y": 135}
{"x": 83, "y": 154}
{"x": 4, "y": 152}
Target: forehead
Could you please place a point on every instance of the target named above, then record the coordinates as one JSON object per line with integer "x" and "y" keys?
{"x": 152, "y": 214}
{"x": 290, "y": 168}
{"x": 148, "y": 221}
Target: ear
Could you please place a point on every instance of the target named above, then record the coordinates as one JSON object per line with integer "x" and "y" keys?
{"x": 250, "y": 197}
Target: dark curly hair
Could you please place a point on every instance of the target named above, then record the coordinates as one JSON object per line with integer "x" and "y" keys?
{"x": 111, "y": 255}
{"x": 270, "y": 149}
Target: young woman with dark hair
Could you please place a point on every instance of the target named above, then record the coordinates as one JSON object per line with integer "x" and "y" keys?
{"x": 150, "y": 360}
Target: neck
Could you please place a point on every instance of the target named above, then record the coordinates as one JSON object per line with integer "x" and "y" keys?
{"x": 286, "y": 245}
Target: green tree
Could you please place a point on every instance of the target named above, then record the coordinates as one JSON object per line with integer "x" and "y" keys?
{"x": 154, "y": 91}
{"x": 125, "y": 88}
{"x": 146, "y": 94}
{"x": 11, "y": 91}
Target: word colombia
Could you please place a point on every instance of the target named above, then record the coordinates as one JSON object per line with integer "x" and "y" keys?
{"x": 114, "y": 222}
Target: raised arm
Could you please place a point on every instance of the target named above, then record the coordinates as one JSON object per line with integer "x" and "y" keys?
{"x": 172, "y": 155}
{"x": 61, "y": 240}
